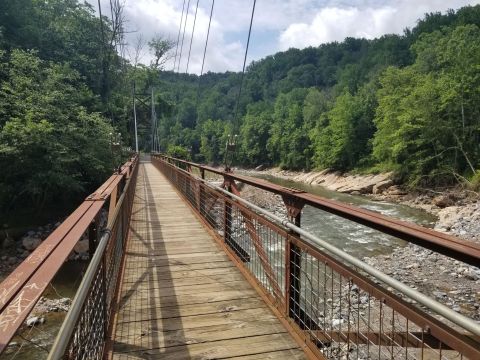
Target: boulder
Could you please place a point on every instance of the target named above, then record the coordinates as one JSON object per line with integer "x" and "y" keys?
{"x": 442, "y": 201}
{"x": 31, "y": 243}
{"x": 381, "y": 186}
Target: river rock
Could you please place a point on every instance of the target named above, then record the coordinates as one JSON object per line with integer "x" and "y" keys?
{"x": 260, "y": 167}
{"x": 35, "y": 320}
{"x": 31, "y": 243}
{"x": 442, "y": 201}
{"x": 381, "y": 186}
{"x": 471, "y": 274}
{"x": 395, "y": 190}
{"x": 81, "y": 246}
{"x": 343, "y": 182}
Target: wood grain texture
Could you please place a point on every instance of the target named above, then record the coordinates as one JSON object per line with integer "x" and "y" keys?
{"x": 181, "y": 297}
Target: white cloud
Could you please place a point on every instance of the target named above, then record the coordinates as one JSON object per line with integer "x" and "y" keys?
{"x": 150, "y": 17}
{"x": 335, "y": 22}
{"x": 278, "y": 24}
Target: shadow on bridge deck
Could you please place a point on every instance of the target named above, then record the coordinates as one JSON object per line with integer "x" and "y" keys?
{"x": 181, "y": 297}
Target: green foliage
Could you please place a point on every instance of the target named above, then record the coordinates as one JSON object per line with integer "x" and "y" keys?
{"x": 255, "y": 133}
{"x": 409, "y": 103}
{"x": 391, "y": 103}
{"x": 475, "y": 181}
{"x": 179, "y": 152}
{"x": 213, "y": 137}
{"x": 288, "y": 137}
{"x": 428, "y": 113}
{"x": 48, "y": 140}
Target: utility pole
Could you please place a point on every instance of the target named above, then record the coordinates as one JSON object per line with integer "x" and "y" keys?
{"x": 154, "y": 123}
{"x": 135, "y": 118}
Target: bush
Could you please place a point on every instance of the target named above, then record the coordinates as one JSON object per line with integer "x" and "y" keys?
{"x": 179, "y": 152}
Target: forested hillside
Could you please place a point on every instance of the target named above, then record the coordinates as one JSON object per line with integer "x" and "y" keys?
{"x": 407, "y": 103}
{"x": 61, "y": 97}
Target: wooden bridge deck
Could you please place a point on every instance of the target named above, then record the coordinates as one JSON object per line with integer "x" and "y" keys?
{"x": 181, "y": 297}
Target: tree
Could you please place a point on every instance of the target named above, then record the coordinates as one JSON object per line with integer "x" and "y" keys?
{"x": 428, "y": 113}
{"x": 48, "y": 140}
{"x": 255, "y": 133}
{"x": 160, "y": 49}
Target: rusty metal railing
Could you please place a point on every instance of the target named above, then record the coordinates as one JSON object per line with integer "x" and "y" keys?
{"x": 295, "y": 200}
{"x": 336, "y": 306}
{"x": 85, "y": 331}
{"x": 23, "y": 288}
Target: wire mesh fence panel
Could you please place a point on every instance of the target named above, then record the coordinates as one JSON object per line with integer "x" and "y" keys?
{"x": 339, "y": 310}
{"x": 88, "y": 333}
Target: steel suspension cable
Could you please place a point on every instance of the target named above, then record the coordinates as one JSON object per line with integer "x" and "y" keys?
{"x": 178, "y": 36}
{"x": 191, "y": 38}
{"x": 235, "y": 121}
{"x": 183, "y": 36}
{"x": 206, "y": 41}
{"x": 203, "y": 61}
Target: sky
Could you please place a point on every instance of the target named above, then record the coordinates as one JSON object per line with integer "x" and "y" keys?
{"x": 277, "y": 26}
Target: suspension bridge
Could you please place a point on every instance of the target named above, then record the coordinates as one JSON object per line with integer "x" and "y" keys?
{"x": 186, "y": 269}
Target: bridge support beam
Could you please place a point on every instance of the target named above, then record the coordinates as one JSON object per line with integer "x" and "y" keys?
{"x": 294, "y": 269}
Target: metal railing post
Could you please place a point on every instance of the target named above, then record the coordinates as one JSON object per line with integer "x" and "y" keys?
{"x": 227, "y": 216}
{"x": 293, "y": 275}
{"x": 93, "y": 236}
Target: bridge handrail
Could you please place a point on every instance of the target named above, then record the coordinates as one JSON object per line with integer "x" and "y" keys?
{"x": 464, "y": 251}
{"x": 22, "y": 289}
{"x": 292, "y": 296}
{"x": 82, "y": 335}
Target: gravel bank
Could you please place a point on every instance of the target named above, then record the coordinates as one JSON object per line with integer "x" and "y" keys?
{"x": 450, "y": 282}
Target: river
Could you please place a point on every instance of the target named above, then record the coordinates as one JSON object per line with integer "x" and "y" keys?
{"x": 356, "y": 239}
{"x": 41, "y": 337}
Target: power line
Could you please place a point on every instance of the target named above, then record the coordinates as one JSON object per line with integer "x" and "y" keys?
{"x": 191, "y": 38}
{"x": 183, "y": 36}
{"x": 178, "y": 36}
{"x": 235, "y": 124}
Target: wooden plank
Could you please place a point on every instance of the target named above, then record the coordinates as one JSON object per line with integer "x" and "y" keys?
{"x": 143, "y": 261}
{"x": 155, "y": 326}
{"x": 143, "y": 290}
{"x": 144, "y": 313}
{"x": 149, "y": 338}
{"x": 181, "y": 297}
{"x": 164, "y": 275}
{"x": 152, "y": 283}
{"x": 216, "y": 350}
{"x": 186, "y": 299}
{"x": 275, "y": 355}
{"x": 172, "y": 267}
{"x": 167, "y": 250}
{"x": 184, "y": 257}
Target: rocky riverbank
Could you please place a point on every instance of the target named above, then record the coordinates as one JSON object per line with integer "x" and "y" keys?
{"x": 451, "y": 282}
{"x": 457, "y": 209}
{"x": 14, "y": 251}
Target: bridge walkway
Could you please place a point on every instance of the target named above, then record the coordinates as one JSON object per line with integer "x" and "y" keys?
{"x": 181, "y": 297}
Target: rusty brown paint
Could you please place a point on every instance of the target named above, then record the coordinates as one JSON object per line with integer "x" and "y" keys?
{"x": 438, "y": 332}
{"x": 18, "y": 309}
{"x": 20, "y": 291}
{"x": 451, "y": 246}
{"x": 11, "y": 285}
